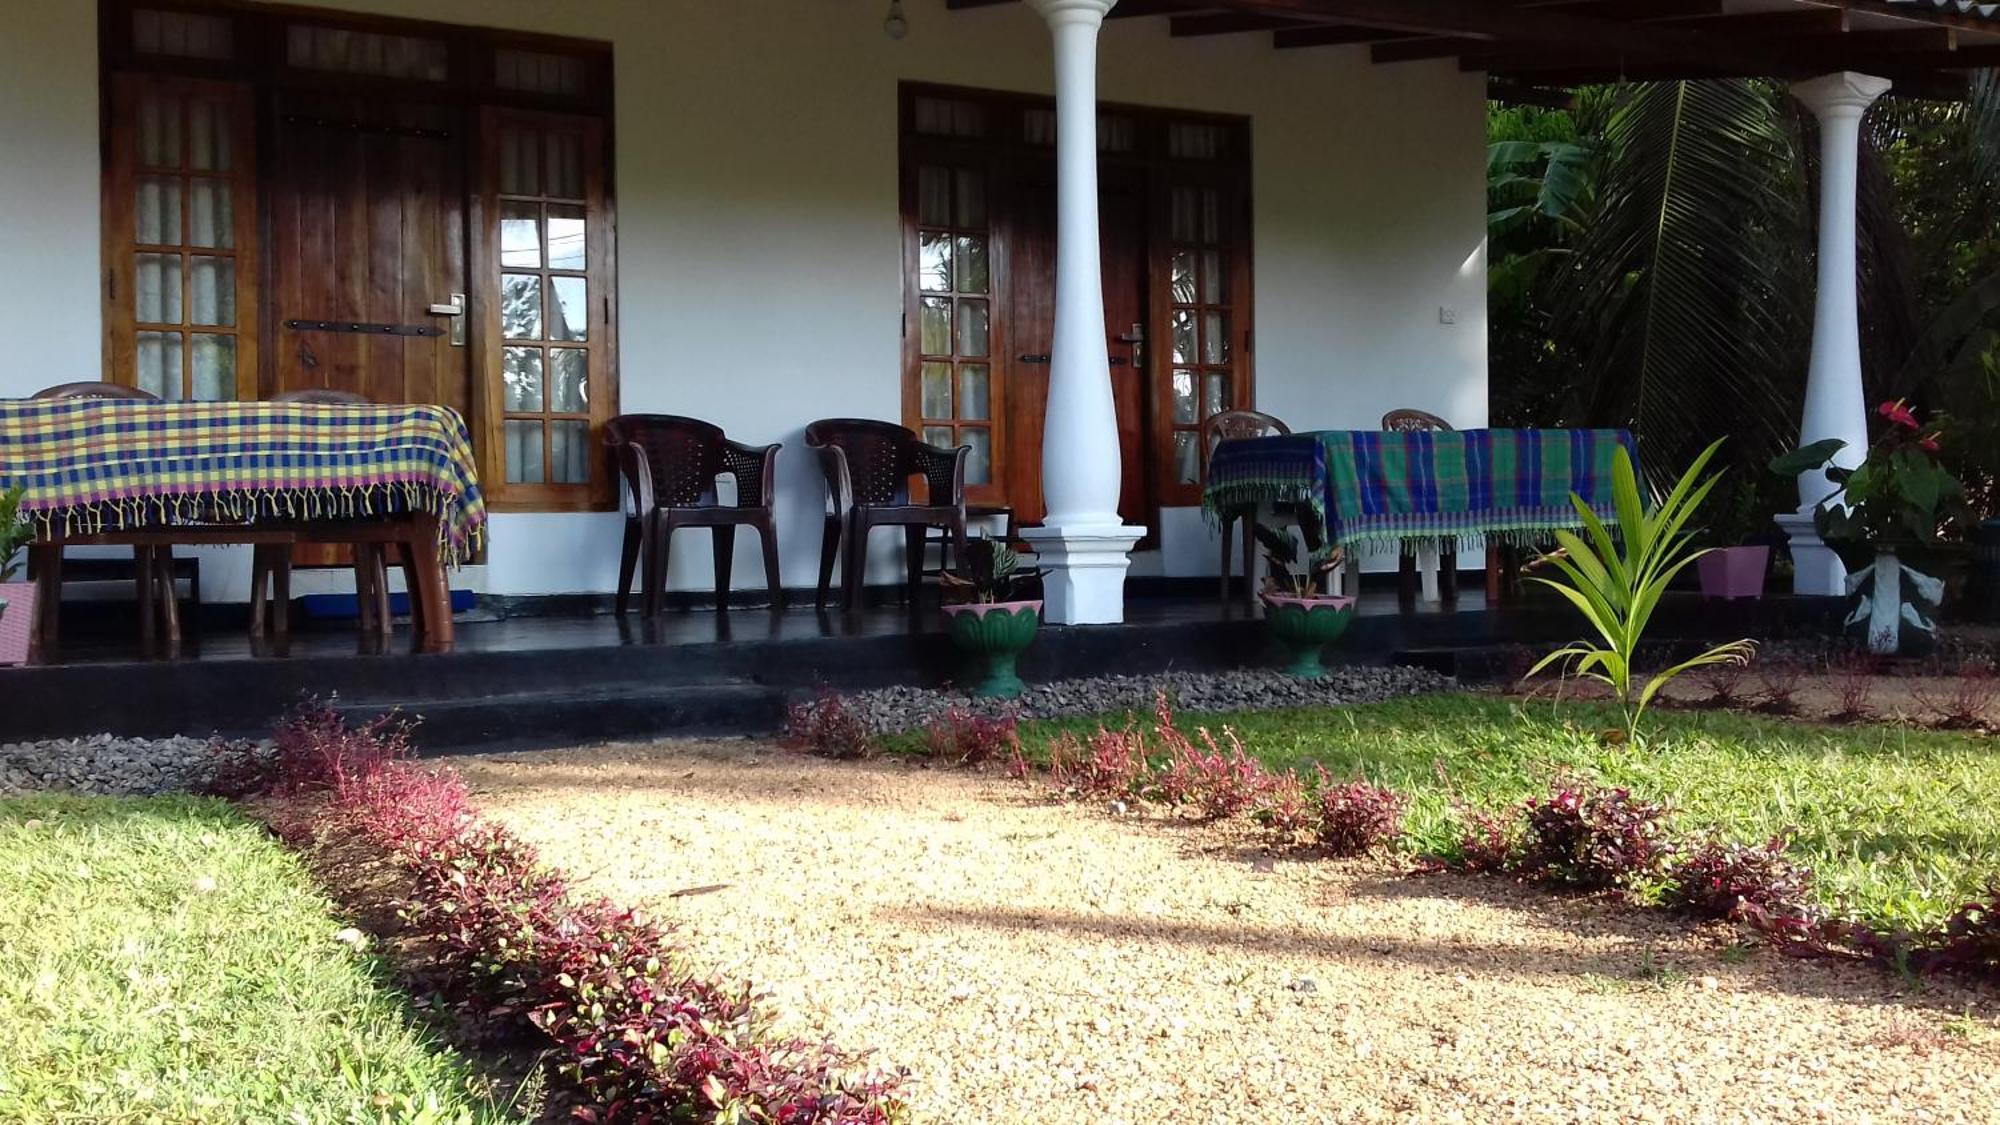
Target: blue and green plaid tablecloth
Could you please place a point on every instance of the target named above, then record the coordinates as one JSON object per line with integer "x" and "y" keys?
{"x": 93, "y": 464}
{"x": 1381, "y": 486}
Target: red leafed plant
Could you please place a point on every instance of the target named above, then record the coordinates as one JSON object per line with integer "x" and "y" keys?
{"x": 969, "y": 739}
{"x": 1963, "y": 701}
{"x": 1716, "y": 879}
{"x": 638, "y": 1038}
{"x": 1201, "y": 773}
{"x": 1780, "y": 680}
{"x": 1853, "y": 683}
{"x": 1970, "y": 940}
{"x": 1489, "y": 842}
{"x": 1726, "y": 685}
{"x": 1355, "y": 817}
{"x": 1286, "y": 807}
{"x": 1593, "y": 838}
{"x": 829, "y": 726}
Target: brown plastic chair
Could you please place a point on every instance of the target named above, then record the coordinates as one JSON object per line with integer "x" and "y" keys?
{"x": 1408, "y": 421}
{"x": 670, "y": 464}
{"x": 868, "y": 468}
{"x": 151, "y": 565}
{"x": 1229, "y": 426}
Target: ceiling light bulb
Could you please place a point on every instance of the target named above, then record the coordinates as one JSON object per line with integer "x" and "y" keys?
{"x": 895, "y": 26}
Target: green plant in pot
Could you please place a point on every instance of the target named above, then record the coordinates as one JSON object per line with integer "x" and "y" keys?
{"x": 17, "y": 599}
{"x": 1302, "y": 618}
{"x": 987, "y": 621}
{"x": 1880, "y": 516}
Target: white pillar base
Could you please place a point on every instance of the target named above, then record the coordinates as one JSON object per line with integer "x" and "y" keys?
{"x": 1816, "y": 570}
{"x": 1083, "y": 580}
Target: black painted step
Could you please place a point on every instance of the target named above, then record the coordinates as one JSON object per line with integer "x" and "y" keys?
{"x": 540, "y": 720}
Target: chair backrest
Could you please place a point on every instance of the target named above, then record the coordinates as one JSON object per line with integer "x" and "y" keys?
{"x": 324, "y": 396}
{"x": 1232, "y": 424}
{"x": 1413, "y": 421}
{"x": 684, "y": 455}
{"x": 881, "y": 456}
{"x": 95, "y": 390}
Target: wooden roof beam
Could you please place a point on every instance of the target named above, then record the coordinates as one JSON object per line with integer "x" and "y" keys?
{"x": 1229, "y": 23}
{"x": 1331, "y": 35}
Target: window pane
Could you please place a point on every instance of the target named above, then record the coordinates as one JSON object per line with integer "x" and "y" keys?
{"x": 1186, "y": 225}
{"x": 934, "y": 196}
{"x": 214, "y": 367}
{"x": 974, "y": 392}
{"x": 157, "y": 209}
{"x": 160, "y": 131}
{"x": 978, "y": 463}
{"x": 565, "y": 165}
{"x": 1215, "y": 337}
{"x": 936, "y": 390}
{"x": 521, "y": 370}
{"x": 1184, "y": 414}
{"x": 939, "y": 436}
{"x": 972, "y": 328}
{"x": 211, "y": 290}
{"x": 1215, "y": 394}
{"x": 934, "y": 262}
{"x": 520, "y": 162}
{"x": 569, "y": 380}
{"x": 208, "y": 136}
{"x": 1183, "y": 277}
{"x": 157, "y": 295}
{"x": 1187, "y": 461}
{"x": 521, "y": 306}
{"x": 1211, "y": 215}
{"x": 521, "y": 235}
{"x": 1182, "y": 325}
{"x": 934, "y": 337}
{"x": 971, "y": 263}
{"x": 569, "y": 237}
{"x": 572, "y": 313}
{"x": 569, "y": 452}
{"x": 1214, "y": 282}
{"x": 971, "y": 198}
{"x": 524, "y": 452}
{"x": 211, "y": 214}
{"x": 160, "y": 363}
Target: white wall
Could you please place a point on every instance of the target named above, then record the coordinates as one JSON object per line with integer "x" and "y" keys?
{"x": 758, "y": 244}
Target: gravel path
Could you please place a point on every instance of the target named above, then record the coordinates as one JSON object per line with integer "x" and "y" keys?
{"x": 907, "y": 708}
{"x": 1038, "y": 963}
{"x": 114, "y": 767}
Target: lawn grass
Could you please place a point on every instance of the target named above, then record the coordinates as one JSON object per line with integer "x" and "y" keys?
{"x": 164, "y": 959}
{"x": 1902, "y": 826}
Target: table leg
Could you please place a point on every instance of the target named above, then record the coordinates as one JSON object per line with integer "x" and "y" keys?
{"x": 48, "y": 595}
{"x": 434, "y": 591}
{"x": 170, "y": 602}
{"x": 148, "y": 589}
{"x": 1427, "y": 570}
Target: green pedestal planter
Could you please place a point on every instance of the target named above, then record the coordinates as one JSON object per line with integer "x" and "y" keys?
{"x": 995, "y": 633}
{"x": 1307, "y": 626}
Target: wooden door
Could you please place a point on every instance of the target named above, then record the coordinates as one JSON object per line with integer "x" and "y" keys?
{"x": 1030, "y": 236}
{"x": 367, "y": 205}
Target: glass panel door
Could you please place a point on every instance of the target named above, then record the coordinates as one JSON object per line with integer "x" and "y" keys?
{"x": 954, "y": 332}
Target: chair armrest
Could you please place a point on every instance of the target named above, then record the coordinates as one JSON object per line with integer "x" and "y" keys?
{"x": 944, "y": 471}
{"x": 839, "y": 484}
{"x": 755, "y": 468}
{"x": 637, "y": 471}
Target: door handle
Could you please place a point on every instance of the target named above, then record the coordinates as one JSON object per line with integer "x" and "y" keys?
{"x": 455, "y": 308}
{"x": 1036, "y": 357}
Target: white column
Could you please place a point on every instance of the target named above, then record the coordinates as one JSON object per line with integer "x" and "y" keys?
{"x": 1835, "y": 405}
{"x": 1082, "y": 545}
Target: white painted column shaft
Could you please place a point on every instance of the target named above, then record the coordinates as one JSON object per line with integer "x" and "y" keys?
{"x": 1835, "y": 405}
{"x": 1082, "y": 545}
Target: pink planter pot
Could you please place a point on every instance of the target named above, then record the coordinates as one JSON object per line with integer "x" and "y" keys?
{"x": 1733, "y": 572}
{"x": 17, "y": 621}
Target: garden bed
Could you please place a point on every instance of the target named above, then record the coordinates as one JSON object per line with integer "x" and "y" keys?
{"x": 1029, "y": 961}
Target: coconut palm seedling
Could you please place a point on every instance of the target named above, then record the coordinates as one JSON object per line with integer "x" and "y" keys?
{"x": 1616, "y": 575}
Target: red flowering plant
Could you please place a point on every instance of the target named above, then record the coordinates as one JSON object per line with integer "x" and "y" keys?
{"x": 1899, "y": 495}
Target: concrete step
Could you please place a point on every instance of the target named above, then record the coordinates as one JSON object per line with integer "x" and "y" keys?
{"x": 542, "y": 720}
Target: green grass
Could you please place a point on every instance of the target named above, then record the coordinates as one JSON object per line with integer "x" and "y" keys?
{"x": 1901, "y": 826}
{"x": 166, "y": 960}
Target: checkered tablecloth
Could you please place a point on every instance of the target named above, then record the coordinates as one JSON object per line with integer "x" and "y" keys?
{"x": 111, "y": 464}
{"x": 1379, "y": 486}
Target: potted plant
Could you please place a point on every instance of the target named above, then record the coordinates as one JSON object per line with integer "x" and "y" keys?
{"x": 985, "y": 622}
{"x": 1301, "y": 617}
{"x": 1731, "y": 567}
{"x": 17, "y": 599}
{"x": 1880, "y": 515}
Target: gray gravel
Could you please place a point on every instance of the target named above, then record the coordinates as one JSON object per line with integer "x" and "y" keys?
{"x": 888, "y": 710}
{"x": 111, "y": 766}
